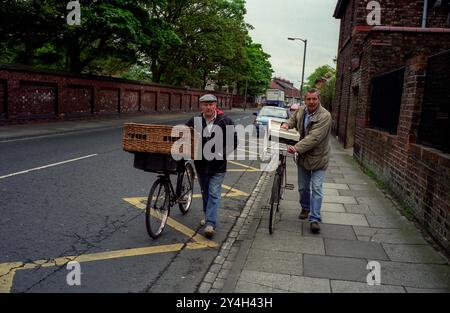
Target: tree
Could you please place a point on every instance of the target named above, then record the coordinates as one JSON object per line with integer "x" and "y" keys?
{"x": 37, "y": 33}
{"x": 324, "y": 71}
{"x": 327, "y": 75}
{"x": 175, "y": 42}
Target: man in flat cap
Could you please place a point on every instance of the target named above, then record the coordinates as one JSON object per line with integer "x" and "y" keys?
{"x": 211, "y": 171}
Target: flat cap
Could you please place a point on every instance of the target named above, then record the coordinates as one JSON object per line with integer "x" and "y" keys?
{"x": 208, "y": 98}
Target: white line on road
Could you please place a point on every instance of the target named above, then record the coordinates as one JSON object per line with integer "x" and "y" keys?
{"x": 46, "y": 166}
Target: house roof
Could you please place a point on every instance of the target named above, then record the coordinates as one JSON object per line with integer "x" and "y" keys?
{"x": 289, "y": 89}
{"x": 340, "y": 8}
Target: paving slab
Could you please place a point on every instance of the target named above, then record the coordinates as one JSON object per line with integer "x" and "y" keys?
{"x": 427, "y": 276}
{"x": 361, "y": 193}
{"x": 339, "y": 199}
{"x": 337, "y": 268}
{"x": 377, "y": 201}
{"x": 422, "y": 290}
{"x": 355, "y": 249}
{"x": 344, "y": 219}
{"x": 309, "y": 285}
{"x": 333, "y": 207}
{"x": 388, "y": 222}
{"x": 288, "y": 241}
{"x": 336, "y": 186}
{"x": 386, "y": 235}
{"x": 330, "y": 192}
{"x": 281, "y": 262}
{"x": 281, "y": 282}
{"x": 358, "y": 209}
{"x": 361, "y": 187}
{"x": 413, "y": 253}
{"x": 287, "y": 222}
{"x": 331, "y": 231}
{"x": 351, "y": 181}
{"x": 386, "y": 210}
{"x": 340, "y": 286}
{"x": 291, "y": 195}
{"x": 246, "y": 287}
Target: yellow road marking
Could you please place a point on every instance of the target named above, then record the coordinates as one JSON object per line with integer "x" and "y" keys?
{"x": 139, "y": 202}
{"x": 233, "y": 192}
{"x": 248, "y": 168}
{"x": 8, "y": 270}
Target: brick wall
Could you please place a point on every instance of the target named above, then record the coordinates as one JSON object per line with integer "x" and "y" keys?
{"x": 28, "y": 94}
{"x": 2, "y": 99}
{"x": 417, "y": 174}
{"x": 352, "y": 40}
{"x": 434, "y": 119}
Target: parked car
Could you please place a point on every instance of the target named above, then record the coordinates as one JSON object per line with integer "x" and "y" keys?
{"x": 269, "y": 112}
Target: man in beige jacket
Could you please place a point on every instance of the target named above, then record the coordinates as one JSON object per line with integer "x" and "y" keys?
{"x": 313, "y": 122}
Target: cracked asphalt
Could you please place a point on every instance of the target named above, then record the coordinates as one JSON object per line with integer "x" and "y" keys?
{"x": 56, "y": 214}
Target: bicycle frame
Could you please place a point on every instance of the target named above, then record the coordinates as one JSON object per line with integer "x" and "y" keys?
{"x": 173, "y": 198}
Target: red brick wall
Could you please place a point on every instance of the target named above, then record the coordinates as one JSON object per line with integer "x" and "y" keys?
{"x": 28, "y": 94}
{"x": 2, "y": 99}
{"x": 353, "y": 36}
{"x": 79, "y": 100}
{"x": 417, "y": 174}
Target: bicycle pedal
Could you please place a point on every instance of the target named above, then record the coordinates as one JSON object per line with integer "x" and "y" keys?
{"x": 289, "y": 187}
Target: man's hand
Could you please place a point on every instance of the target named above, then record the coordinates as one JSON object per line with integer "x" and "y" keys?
{"x": 291, "y": 150}
{"x": 284, "y": 126}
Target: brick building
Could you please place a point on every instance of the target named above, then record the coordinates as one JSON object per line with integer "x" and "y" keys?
{"x": 291, "y": 94}
{"x": 392, "y": 101}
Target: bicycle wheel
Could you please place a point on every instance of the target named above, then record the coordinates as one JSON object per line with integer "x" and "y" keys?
{"x": 185, "y": 187}
{"x": 274, "y": 201}
{"x": 158, "y": 208}
{"x": 281, "y": 173}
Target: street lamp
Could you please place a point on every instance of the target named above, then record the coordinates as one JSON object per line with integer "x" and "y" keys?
{"x": 305, "y": 41}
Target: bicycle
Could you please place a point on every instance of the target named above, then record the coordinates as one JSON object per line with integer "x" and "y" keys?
{"x": 279, "y": 185}
{"x": 156, "y": 212}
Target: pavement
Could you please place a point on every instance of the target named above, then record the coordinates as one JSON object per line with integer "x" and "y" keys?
{"x": 360, "y": 224}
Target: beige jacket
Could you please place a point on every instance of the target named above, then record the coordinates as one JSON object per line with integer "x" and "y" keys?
{"x": 314, "y": 145}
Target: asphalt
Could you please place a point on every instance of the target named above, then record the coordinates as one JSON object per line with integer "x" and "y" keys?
{"x": 36, "y": 129}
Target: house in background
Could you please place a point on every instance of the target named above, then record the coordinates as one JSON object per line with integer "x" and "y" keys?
{"x": 292, "y": 94}
{"x": 392, "y": 101}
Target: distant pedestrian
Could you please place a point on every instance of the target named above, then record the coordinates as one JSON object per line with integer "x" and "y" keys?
{"x": 313, "y": 122}
{"x": 211, "y": 173}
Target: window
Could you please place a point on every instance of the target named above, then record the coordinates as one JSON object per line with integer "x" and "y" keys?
{"x": 434, "y": 127}
{"x": 387, "y": 91}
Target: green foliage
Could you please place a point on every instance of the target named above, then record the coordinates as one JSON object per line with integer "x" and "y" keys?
{"x": 324, "y": 71}
{"x": 327, "y": 88}
{"x": 176, "y": 42}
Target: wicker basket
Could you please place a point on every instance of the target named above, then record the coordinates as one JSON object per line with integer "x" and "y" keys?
{"x": 152, "y": 138}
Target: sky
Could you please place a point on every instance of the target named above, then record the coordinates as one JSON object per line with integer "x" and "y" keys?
{"x": 274, "y": 21}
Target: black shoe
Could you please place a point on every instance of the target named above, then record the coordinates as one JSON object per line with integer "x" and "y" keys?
{"x": 303, "y": 214}
{"x": 315, "y": 228}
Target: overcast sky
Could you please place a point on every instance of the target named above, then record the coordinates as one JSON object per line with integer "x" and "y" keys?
{"x": 275, "y": 21}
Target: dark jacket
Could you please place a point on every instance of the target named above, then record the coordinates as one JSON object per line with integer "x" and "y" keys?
{"x": 206, "y": 167}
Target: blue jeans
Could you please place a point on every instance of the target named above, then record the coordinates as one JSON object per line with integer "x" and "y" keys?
{"x": 310, "y": 187}
{"x": 211, "y": 186}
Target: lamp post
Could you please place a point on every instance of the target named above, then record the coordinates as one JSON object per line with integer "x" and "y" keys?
{"x": 305, "y": 41}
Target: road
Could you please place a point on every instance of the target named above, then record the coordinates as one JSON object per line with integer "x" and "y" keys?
{"x": 77, "y": 197}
